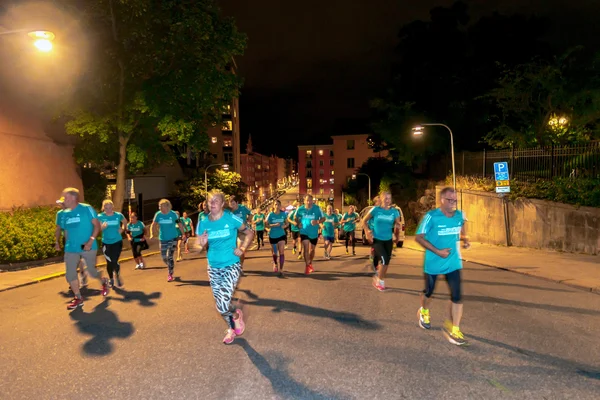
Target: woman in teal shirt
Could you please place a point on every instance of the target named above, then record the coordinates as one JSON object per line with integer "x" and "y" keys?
{"x": 113, "y": 225}
{"x": 259, "y": 226}
{"x": 169, "y": 229}
{"x": 329, "y": 228}
{"x": 276, "y": 221}
{"x": 136, "y": 234}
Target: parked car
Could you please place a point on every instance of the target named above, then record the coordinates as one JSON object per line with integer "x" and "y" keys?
{"x": 360, "y": 232}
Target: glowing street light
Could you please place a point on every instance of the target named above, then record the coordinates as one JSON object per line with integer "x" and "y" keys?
{"x": 42, "y": 40}
{"x": 419, "y": 130}
{"x": 558, "y": 121}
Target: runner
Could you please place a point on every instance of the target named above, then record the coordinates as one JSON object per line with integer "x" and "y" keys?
{"x": 308, "y": 217}
{"x": 329, "y": 228}
{"x": 81, "y": 226}
{"x": 169, "y": 229}
{"x": 136, "y": 233}
{"x": 83, "y": 281}
{"x": 376, "y": 203}
{"x": 439, "y": 233}
{"x": 259, "y": 226}
{"x": 337, "y": 230}
{"x": 349, "y": 221}
{"x": 204, "y": 211}
{"x": 295, "y": 231}
{"x": 385, "y": 220}
{"x": 276, "y": 222}
{"x": 113, "y": 224}
{"x": 220, "y": 231}
{"x": 242, "y": 212}
{"x": 188, "y": 230}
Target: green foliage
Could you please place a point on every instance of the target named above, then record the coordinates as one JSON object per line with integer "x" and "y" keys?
{"x": 575, "y": 191}
{"x": 191, "y": 192}
{"x": 27, "y": 234}
{"x": 94, "y": 187}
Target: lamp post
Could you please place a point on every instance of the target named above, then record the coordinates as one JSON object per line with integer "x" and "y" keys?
{"x": 42, "y": 39}
{"x": 361, "y": 173}
{"x": 418, "y": 131}
{"x": 225, "y": 167}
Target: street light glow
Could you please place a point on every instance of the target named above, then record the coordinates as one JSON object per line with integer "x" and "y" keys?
{"x": 43, "y": 45}
{"x": 42, "y": 40}
{"x": 417, "y": 130}
{"x": 226, "y": 167}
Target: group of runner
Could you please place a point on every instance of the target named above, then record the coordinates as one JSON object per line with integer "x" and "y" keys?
{"x": 225, "y": 233}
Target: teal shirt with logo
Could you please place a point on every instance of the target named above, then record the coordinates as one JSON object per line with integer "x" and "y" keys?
{"x": 259, "y": 220}
{"x": 242, "y": 212}
{"x": 383, "y": 222}
{"x": 222, "y": 239}
{"x": 279, "y": 218}
{"x": 329, "y": 225}
{"x": 187, "y": 224}
{"x": 111, "y": 233}
{"x": 136, "y": 229}
{"x": 443, "y": 233}
{"x": 306, "y": 216}
{"x": 168, "y": 227}
{"x": 78, "y": 227}
{"x": 292, "y": 216}
{"x": 350, "y": 224}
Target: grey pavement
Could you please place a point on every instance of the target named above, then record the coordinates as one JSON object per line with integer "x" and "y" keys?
{"x": 330, "y": 335}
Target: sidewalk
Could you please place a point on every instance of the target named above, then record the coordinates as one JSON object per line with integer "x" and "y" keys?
{"x": 578, "y": 270}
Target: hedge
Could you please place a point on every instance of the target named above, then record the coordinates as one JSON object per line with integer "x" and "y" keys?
{"x": 27, "y": 234}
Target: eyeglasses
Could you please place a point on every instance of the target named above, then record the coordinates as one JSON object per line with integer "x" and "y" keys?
{"x": 450, "y": 200}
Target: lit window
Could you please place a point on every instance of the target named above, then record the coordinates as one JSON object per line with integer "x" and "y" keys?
{"x": 309, "y": 191}
{"x": 321, "y": 181}
{"x": 308, "y": 153}
{"x": 332, "y": 172}
{"x": 321, "y": 191}
{"x": 309, "y": 183}
{"x": 227, "y": 126}
{"x": 258, "y": 166}
{"x": 331, "y": 191}
{"x": 227, "y": 143}
{"x": 214, "y": 139}
{"x": 320, "y": 152}
{"x": 234, "y": 114}
{"x": 331, "y": 182}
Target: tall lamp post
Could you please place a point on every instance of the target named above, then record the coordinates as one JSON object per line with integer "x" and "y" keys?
{"x": 419, "y": 130}
{"x": 225, "y": 167}
{"x": 361, "y": 173}
{"x": 42, "y": 40}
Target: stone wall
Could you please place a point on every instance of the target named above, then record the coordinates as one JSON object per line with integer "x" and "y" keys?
{"x": 533, "y": 223}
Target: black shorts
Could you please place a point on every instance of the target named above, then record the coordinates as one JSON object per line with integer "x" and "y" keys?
{"x": 136, "y": 249}
{"x": 277, "y": 240}
{"x": 454, "y": 283}
{"x": 383, "y": 251}
{"x": 295, "y": 235}
{"x": 312, "y": 241}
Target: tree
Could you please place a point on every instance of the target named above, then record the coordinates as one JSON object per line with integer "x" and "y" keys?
{"x": 160, "y": 75}
{"x": 192, "y": 192}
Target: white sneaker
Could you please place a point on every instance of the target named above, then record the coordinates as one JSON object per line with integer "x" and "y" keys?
{"x": 138, "y": 266}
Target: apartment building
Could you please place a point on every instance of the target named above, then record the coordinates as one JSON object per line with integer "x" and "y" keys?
{"x": 260, "y": 173}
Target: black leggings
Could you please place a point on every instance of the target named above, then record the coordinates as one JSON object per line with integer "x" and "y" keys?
{"x": 260, "y": 239}
{"x": 350, "y": 236}
{"x": 112, "y": 252}
{"x": 136, "y": 249}
{"x": 383, "y": 251}
{"x": 454, "y": 283}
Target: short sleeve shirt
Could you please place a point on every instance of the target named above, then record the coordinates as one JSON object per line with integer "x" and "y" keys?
{"x": 222, "y": 239}
{"x": 136, "y": 229}
{"x": 59, "y": 218}
{"x": 187, "y": 224}
{"x": 279, "y": 218}
{"x": 306, "y": 216}
{"x": 168, "y": 228}
{"x": 383, "y": 222}
{"x": 242, "y": 212}
{"x": 292, "y": 216}
{"x": 111, "y": 233}
{"x": 350, "y": 225}
{"x": 329, "y": 225}
{"x": 77, "y": 223}
{"x": 259, "y": 220}
{"x": 443, "y": 233}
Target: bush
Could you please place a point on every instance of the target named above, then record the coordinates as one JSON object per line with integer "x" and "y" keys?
{"x": 27, "y": 234}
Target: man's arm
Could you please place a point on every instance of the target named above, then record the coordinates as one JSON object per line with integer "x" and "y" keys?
{"x": 427, "y": 244}
{"x": 57, "y": 232}
{"x": 248, "y": 237}
{"x": 192, "y": 227}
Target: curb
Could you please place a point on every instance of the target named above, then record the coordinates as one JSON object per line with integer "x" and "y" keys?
{"x": 63, "y": 273}
{"x": 595, "y": 290}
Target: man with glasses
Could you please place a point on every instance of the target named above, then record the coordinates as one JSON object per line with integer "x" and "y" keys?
{"x": 439, "y": 233}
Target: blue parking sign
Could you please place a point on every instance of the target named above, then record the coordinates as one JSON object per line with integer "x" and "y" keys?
{"x": 501, "y": 171}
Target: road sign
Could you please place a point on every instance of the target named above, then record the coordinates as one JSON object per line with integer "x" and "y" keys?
{"x": 501, "y": 171}
{"x": 502, "y": 183}
{"x": 502, "y": 189}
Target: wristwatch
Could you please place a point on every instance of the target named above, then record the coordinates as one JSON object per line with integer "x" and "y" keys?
{"x": 93, "y": 238}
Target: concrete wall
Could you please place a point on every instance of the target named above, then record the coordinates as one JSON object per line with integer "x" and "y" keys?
{"x": 533, "y": 223}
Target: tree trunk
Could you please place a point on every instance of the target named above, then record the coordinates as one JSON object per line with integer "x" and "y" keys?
{"x": 119, "y": 195}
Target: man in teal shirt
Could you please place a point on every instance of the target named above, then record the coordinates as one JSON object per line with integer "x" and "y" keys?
{"x": 329, "y": 228}
{"x": 308, "y": 218}
{"x": 439, "y": 233}
{"x": 295, "y": 230}
{"x": 349, "y": 220}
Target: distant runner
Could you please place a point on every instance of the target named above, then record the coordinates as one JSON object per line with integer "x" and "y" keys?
{"x": 169, "y": 229}
{"x": 113, "y": 225}
{"x": 136, "y": 233}
{"x": 308, "y": 218}
{"x": 329, "y": 228}
{"x": 348, "y": 222}
{"x": 259, "y": 226}
{"x": 276, "y": 221}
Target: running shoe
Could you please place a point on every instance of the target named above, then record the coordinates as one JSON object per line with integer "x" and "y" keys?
{"x": 377, "y": 284}
{"x": 186, "y": 251}
{"x": 138, "y": 266}
{"x": 118, "y": 280}
{"x": 111, "y": 283}
{"x": 229, "y": 336}
{"x": 294, "y": 250}
{"x": 309, "y": 269}
{"x": 105, "y": 288}
{"x": 142, "y": 266}
{"x": 453, "y": 334}
{"x": 286, "y": 247}
{"x": 353, "y": 252}
{"x": 347, "y": 252}
{"x": 169, "y": 278}
{"x": 240, "y": 325}
{"x": 179, "y": 259}
{"x": 299, "y": 256}
{"x": 275, "y": 269}
{"x": 424, "y": 319}
{"x": 73, "y": 304}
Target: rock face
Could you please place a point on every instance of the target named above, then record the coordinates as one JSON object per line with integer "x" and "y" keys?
{"x": 419, "y": 208}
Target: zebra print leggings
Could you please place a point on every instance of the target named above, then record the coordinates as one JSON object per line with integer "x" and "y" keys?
{"x": 167, "y": 249}
{"x": 223, "y": 282}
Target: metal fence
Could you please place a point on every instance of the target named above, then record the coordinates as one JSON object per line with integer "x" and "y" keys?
{"x": 572, "y": 161}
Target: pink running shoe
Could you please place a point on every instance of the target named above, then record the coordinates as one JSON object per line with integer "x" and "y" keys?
{"x": 229, "y": 336}
{"x": 240, "y": 325}
{"x": 275, "y": 269}
{"x": 169, "y": 278}
{"x": 378, "y": 285}
{"x": 104, "y": 287}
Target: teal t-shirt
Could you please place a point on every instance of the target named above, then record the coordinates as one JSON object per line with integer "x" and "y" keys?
{"x": 306, "y": 216}
{"x": 78, "y": 227}
{"x": 292, "y": 216}
{"x": 168, "y": 228}
{"x": 201, "y": 217}
{"x": 242, "y": 212}
{"x": 383, "y": 222}
{"x": 350, "y": 224}
{"x": 187, "y": 224}
{"x": 259, "y": 220}
{"x": 222, "y": 239}
{"x": 59, "y": 218}
{"x": 329, "y": 225}
{"x": 111, "y": 233}
{"x": 136, "y": 229}
{"x": 444, "y": 233}
{"x": 276, "y": 231}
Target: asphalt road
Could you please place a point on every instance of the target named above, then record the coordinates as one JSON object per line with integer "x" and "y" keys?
{"x": 327, "y": 336}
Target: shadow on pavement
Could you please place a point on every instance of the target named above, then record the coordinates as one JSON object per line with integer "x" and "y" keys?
{"x": 144, "y": 300}
{"x": 283, "y": 384}
{"x": 102, "y": 325}
{"x": 317, "y": 275}
{"x": 345, "y": 318}
{"x": 85, "y": 292}
{"x": 191, "y": 283}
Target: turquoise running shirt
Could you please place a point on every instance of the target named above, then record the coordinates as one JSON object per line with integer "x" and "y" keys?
{"x": 443, "y": 233}
{"x": 222, "y": 239}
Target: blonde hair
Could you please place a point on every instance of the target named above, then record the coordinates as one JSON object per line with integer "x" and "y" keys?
{"x": 165, "y": 201}
{"x": 105, "y": 202}
{"x": 72, "y": 190}
{"x": 216, "y": 193}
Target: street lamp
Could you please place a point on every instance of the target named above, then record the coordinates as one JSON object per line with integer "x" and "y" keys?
{"x": 419, "y": 130}
{"x": 360, "y": 173}
{"x": 42, "y": 40}
{"x": 225, "y": 168}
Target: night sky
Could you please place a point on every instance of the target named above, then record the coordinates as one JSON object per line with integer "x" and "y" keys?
{"x": 309, "y": 63}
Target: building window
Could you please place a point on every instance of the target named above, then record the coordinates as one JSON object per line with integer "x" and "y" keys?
{"x": 228, "y": 157}
{"x": 331, "y": 162}
{"x": 330, "y": 153}
{"x": 309, "y": 173}
{"x": 331, "y": 191}
{"x": 350, "y": 144}
{"x": 309, "y": 183}
{"x": 321, "y": 163}
{"x": 308, "y": 164}
{"x": 321, "y": 172}
{"x": 331, "y": 181}
{"x": 320, "y": 152}
{"x": 309, "y": 191}
{"x": 321, "y": 181}
{"x": 308, "y": 153}
{"x": 214, "y": 139}
{"x": 227, "y": 126}
{"x": 227, "y": 142}
{"x": 332, "y": 172}
{"x": 350, "y": 163}
{"x": 258, "y": 166}
{"x": 321, "y": 191}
